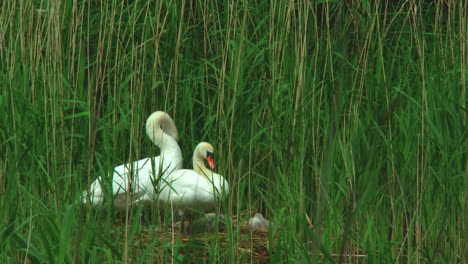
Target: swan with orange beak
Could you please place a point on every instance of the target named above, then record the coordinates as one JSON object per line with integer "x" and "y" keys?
{"x": 199, "y": 189}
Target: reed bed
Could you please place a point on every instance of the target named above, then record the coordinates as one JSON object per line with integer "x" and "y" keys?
{"x": 343, "y": 122}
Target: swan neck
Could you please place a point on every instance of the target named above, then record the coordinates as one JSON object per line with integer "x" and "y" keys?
{"x": 158, "y": 136}
{"x": 199, "y": 164}
{"x": 167, "y": 143}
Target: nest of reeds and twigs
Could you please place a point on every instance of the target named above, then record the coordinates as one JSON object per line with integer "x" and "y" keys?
{"x": 239, "y": 242}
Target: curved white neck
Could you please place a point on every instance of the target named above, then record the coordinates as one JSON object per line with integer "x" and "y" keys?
{"x": 154, "y": 129}
{"x": 155, "y": 132}
{"x": 199, "y": 165}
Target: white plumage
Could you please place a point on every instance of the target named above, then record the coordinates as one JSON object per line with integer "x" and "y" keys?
{"x": 135, "y": 181}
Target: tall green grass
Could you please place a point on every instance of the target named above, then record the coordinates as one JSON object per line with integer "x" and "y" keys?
{"x": 344, "y": 122}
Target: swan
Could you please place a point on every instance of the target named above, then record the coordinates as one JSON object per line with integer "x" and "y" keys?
{"x": 199, "y": 189}
{"x": 135, "y": 181}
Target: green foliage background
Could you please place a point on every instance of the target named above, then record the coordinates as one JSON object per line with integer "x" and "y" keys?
{"x": 343, "y": 121}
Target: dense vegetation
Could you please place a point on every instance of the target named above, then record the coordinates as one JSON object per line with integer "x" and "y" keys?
{"x": 344, "y": 122}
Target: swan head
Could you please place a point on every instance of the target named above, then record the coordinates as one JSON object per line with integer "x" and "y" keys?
{"x": 161, "y": 120}
{"x": 205, "y": 150}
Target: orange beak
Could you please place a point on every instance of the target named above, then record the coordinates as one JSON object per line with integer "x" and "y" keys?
{"x": 210, "y": 161}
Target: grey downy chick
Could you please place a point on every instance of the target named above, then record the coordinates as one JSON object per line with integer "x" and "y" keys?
{"x": 207, "y": 224}
{"x": 258, "y": 221}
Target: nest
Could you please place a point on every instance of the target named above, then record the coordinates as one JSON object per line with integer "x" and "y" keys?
{"x": 239, "y": 243}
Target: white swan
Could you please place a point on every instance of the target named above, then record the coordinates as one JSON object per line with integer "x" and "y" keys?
{"x": 199, "y": 189}
{"x": 135, "y": 181}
